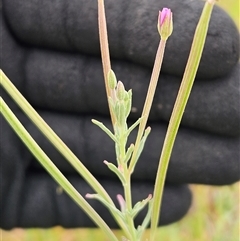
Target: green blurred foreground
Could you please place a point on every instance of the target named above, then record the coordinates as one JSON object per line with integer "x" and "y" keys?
{"x": 214, "y": 215}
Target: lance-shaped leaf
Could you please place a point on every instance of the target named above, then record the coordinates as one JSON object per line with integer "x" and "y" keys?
{"x": 117, "y": 151}
{"x": 112, "y": 208}
{"x": 128, "y": 102}
{"x": 105, "y": 129}
{"x": 143, "y": 140}
{"x": 141, "y": 145}
{"x": 129, "y": 153}
{"x": 146, "y": 220}
{"x": 140, "y": 205}
{"x": 131, "y": 128}
{"x": 116, "y": 170}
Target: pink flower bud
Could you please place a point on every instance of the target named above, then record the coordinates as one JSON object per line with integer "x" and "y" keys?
{"x": 165, "y": 23}
{"x": 122, "y": 202}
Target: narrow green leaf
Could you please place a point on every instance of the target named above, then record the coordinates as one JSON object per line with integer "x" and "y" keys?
{"x": 131, "y": 128}
{"x": 141, "y": 146}
{"x": 140, "y": 205}
{"x": 145, "y": 222}
{"x": 112, "y": 208}
{"x": 129, "y": 153}
{"x": 105, "y": 129}
{"x": 114, "y": 169}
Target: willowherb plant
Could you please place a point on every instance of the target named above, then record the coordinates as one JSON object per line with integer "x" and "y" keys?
{"x": 119, "y": 101}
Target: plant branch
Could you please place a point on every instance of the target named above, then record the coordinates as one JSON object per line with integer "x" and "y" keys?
{"x": 104, "y": 47}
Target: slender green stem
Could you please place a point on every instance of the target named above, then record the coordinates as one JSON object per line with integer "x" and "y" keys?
{"x": 122, "y": 140}
{"x": 106, "y": 69}
{"x": 149, "y": 100}
{"x": 128, "y": 199}
{"x": 179, "y": 107}
{"x": 52, "y": 169}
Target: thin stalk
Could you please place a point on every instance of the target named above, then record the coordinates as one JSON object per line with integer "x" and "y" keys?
{"x": 104, "y": 47}
{"x": 128, "y": 199}
{"x": 52, "y": 169}
{"x": 149, "y": 100}
{"x": 179, "y": 107}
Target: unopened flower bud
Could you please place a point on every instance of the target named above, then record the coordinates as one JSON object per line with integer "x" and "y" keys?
{"x": 121, "y": 202}
{"x": 112, "y": 80}
{"x": 165, "y": 23}
{"x": 128, "y": 103}
{"x": 120, "y": 91}
{"x": 119, "y": 112}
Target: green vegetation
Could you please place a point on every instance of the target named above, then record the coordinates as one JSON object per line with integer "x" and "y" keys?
{"x": 233, "y": 8}
{"x": 214, "y": 215}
